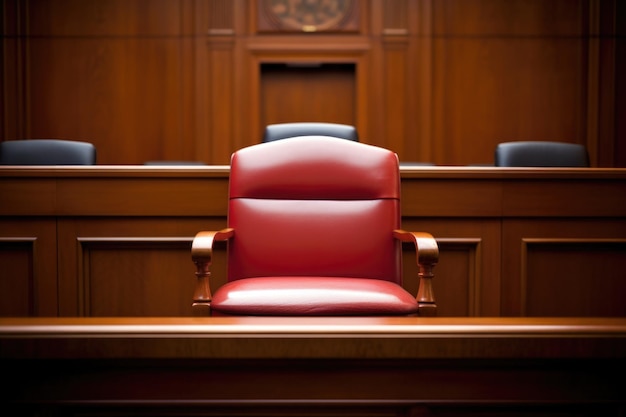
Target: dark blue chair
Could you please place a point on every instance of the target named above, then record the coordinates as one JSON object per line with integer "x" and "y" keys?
{"x": 541, "y": 154}
{"x": 289, "y": 130}
{"x": 47, "y": 152}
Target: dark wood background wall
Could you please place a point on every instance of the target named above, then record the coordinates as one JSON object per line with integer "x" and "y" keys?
{"x": 439, "y": 81}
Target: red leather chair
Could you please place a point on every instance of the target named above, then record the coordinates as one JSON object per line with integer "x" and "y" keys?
{"x": 314, "y": 230}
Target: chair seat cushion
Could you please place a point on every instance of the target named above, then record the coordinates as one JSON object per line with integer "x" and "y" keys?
{"x": 312, "y": 296}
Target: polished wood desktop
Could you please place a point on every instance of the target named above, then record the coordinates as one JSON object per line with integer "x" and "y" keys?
{"x": 258, "y": 366}
{"x": 88, "y": 241}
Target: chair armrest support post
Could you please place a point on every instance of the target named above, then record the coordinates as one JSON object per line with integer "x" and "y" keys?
{"x": 201, "y": 255}
{"x": 427, "y": 252}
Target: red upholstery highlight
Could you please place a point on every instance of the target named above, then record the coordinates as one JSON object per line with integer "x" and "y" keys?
{"x": 319, "y": 296}
{"x": 323, "y": 168}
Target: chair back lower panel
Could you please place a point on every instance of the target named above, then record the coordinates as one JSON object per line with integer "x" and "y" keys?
{"x": 341, "y": 238}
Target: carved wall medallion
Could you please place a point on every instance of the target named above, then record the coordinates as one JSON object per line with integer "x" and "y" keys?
{"x": 307, "y": 15}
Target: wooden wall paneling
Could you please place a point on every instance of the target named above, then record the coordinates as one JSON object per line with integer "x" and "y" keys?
{"x": 375, "y": 126}
{"x": 343, "y": 51}
{"x": 218, "y": 66}
{"x": 481, "y": 201}
{"x": 373, "y": 105}
{"x": 483, "y": 218}
{"x": 136, "y": 78}
{"x": 604, "y": 84}
{"x": 394, "y": 104}
{"x": 548, "y": 266}
{"x": 573, "y": 194}
{"x": 593, "y": 83}
{"x": 563, "y": 267}
{"x": 104, "y": 72}
{"x": 222, "y": 114}
{"x": 129, "y": 266}
{"x": 242, "y": 127}
{"x": 465, "y": 253}
{"x": 307, "y": 92}
{"x": 505, "y": 71}
{"x": 398, "y": 109}
{"x": 364, "y": 94}
{"x": 606, "y": 104}
{"x": 28, "y": 267}
{"x": 156, "y": 82}
{"x": 126, "y": 196}
{"x": 12, "y": 95}
{"x": 184, "y": 147}
{"x": 134, "y": 276}
{"x": 201, "y": 92}
{"x": 38, "y": 196}
{"x": 17, "y": 281}
{"x": 395, "y": 17}
{"x": 218, "y": 16}
{"x": 110, "y": 18}
{"x": 122, "y": 95}
{"x": 457, "y": 277}
{"x": 426, "y": 196}
{"x": 407, "y": 78}
{"x": 618, "y": 106}
{"x": 467, "y": 278}
{"x": 374, "y": 102}
{"x": 418, "y": 139}
{"x": 336, "y": 91}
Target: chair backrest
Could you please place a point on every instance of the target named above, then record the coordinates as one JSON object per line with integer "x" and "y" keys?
{"x": 47, "y": 152}
{"x": 541, "y": 154}
{"x": 314, "y": 206}
{"x": 289, "y": 130}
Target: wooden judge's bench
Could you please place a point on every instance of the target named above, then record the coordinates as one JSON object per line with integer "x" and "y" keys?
{"x": 115, "y": 241}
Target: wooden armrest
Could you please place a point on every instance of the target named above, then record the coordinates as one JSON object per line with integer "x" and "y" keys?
{"x": 427, "y": 252}
{"x": 201, "y": 255}
{"x": 202, "y": 245}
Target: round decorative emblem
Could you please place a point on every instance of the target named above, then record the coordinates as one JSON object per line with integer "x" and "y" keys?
{"x": 308, "y": 15}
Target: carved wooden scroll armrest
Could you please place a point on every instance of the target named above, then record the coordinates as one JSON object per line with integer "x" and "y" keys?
{"x": 201, "y": 255}
{"x": 427, "y": 257}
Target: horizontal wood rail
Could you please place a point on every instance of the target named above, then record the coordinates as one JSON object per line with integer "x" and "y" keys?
{"x": 319, "y": 337}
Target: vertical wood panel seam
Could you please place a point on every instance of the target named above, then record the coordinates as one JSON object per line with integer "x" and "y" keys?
{"x": 593, "y": 82}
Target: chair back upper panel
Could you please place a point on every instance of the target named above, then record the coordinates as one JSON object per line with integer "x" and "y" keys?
{"x": 289, "y": 130}
{"x": 342, "y": 198}
{"x": 47, "y": 152}
{"x": 541, "y": 154}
